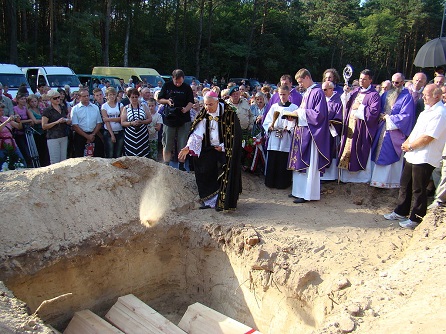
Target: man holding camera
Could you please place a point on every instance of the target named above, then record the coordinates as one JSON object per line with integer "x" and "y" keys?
{"x": 178, "y": 100}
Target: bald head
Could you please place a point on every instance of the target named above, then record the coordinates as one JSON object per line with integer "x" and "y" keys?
{"x": 419, "y": 80}
{"x": 397, "y": 80}
{"x": 439, "y": 80}
{"x": 431, "y": 94}
{"x": 443, "y": 94}
{"x": 328, "y": 88}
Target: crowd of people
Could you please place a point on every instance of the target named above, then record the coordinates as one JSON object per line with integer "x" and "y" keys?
{"x": 389, "y": 135}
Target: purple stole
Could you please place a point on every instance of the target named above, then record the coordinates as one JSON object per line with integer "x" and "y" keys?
{"x": 365, "y": 130}
{"x": 316, "y": 111}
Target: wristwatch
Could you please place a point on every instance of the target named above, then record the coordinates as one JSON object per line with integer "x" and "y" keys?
{"x": 410, "y": 148}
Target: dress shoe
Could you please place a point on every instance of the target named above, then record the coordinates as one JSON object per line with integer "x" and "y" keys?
{"x": 299, "y": 200}
{"x": 291, "y": 196}
{"x": 204, "y": 206}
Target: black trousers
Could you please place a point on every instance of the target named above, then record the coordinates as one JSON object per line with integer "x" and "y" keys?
{"x": 79, "y": 145}
{"x": 414, "y": 181}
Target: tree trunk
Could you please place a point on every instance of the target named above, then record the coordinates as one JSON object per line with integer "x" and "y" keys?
{"x": 12, "y": 15}
{"x": 184, "y": 54}
{"x": 127, "y": 37}
{"x": 35, "y": 35}
{"x": 200, "y": 36}
{"x": 251, "y": 38}
{"x": 177, "y": 15}
{"x": 208, "y": 54}
{"x": 51, "y": 31}
{"x": 106, "y": 46}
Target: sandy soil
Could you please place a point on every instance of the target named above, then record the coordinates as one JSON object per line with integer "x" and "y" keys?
{"x": 349, "y": 268}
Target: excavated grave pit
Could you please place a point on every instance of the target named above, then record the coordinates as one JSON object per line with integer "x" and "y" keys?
{"x": 98, "y": 229}
{"x": 90, "y": 238}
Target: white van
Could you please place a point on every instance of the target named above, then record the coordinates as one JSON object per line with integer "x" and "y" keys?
{"x": 13, "y": 77}
{"x": 52, "y": 76}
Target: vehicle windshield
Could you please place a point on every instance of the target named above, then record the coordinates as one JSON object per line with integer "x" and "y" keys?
{"x": 13, "y": 80}
{"x": 153, "y": 79}
{"x": 61, "y": 80}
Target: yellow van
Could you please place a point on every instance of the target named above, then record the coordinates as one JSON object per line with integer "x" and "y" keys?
{"x": 137, "y": 74}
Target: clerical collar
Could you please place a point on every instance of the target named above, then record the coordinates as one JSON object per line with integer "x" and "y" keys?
{"x": 329, "y": 98}
{"x": 286, "y": 104}
{"x": 312, "y": 86}
{"x": 363, "y": 90}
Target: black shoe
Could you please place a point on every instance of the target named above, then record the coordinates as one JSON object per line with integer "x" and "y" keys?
{"x": 299, "y": 200}
{"x": 218, "y": 209}
{"x": 204, "y": 206}
{"x": 291, "y": 196}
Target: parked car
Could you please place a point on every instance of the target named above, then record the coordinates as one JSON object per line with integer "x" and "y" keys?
{"x": 13, "y": 77}
{"x": 251, "y": 82}
{"x": 52, "y": 76}
{"x": 166, "y": 77}
{"x": 91, "y": 81}
{"x": 188, "y": 80}
{"x": 137, "y": 74}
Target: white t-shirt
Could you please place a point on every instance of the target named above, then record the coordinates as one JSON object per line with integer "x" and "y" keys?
{"x": 112, "y": 113}
{"x": 431, "y": 122}
{"x": 156, "y": 119}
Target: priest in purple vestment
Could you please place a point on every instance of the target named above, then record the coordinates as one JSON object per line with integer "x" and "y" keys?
{"x": 310, "y": 145}
{"x": 416, "y": 90}
{"x": 332, "y": 75}
{"x": 295, "y": 96}
{"x": 335, "y": 113}
{"x": 397, "y": 121}
{"x": 361, "y": 120}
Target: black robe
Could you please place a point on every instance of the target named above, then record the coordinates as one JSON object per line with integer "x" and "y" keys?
{"x": 220, "y": 172}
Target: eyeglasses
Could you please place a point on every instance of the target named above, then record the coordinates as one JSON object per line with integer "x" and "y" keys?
{"x": 325, "y": 89}
{"x": 56, "y": 98}
{"x": 83, "y": 95}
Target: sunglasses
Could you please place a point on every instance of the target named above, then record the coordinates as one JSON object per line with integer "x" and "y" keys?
{"x": 396, "y": 82}
{"x": 325, "y": 89}
{"x": 56, "y": 98}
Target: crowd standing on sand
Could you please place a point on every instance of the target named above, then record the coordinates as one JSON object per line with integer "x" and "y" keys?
{"x": 388, "y": 135}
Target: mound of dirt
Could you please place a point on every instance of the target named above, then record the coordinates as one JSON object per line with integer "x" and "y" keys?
{"x": 329, "y": 266}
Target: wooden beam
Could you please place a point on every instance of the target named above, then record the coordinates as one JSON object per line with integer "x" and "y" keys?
{"x": 133, "y": 316}
{"x": 200, "y": 319}
{"x": 86, "y": 322}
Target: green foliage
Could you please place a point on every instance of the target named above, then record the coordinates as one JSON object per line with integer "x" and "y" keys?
{"x": 266, "y": 37}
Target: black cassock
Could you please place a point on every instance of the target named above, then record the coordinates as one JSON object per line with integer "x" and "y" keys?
{"x": 220, "y": 172}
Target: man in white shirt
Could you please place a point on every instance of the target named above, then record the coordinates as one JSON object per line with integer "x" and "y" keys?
{"x": 87, "y": 124}
{"x": 423, "y": 153}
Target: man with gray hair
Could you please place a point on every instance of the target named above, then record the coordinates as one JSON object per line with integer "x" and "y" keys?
{"x": 8, "y": 111}
{"x": 215, "y": 142}
{"x": 396, "y": 122}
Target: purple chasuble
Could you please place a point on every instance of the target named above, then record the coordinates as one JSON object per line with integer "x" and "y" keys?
{"x": 295, "y": 97}
{"x": 365, "y": 130}
{"x": 335, "y": 109}
{"x": 316, "y": 111}
{"x": 403, "y": 116}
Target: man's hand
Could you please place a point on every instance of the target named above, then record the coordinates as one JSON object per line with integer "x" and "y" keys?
{"x": 183, "y": 154}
